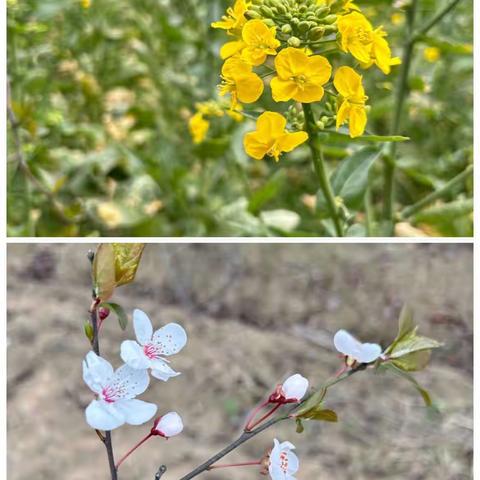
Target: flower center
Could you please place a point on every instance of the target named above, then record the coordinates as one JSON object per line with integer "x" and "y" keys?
{"x": 108, "y": 394}
{"x": 363, "y": 36}
{"x": 284, "y": 462}
{"x": 300, "y": 80}
{"x": 151, "y": 351}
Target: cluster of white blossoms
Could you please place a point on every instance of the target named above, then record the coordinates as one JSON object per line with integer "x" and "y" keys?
{"x": 116, "y": 391}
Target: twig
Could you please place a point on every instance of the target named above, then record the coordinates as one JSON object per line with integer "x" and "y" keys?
{"x": 161, "y": 470}
{"x": 245, "y": 436}
{"x": 107, "y": 440}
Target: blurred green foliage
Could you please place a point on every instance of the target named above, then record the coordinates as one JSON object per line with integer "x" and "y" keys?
{"x": 103, "y": 89}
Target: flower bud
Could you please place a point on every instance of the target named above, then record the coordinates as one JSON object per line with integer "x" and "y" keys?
{"x": 330, "y": 19}
{"x": 317, "y": 33}
{"x": 295, "y": 387}
{"x": 287, "y": 28}
{"x": 303, "y": 26}
{"x": 320, "y": 125}
{"x": 294, "y": 42}
{"x": 266, "y": 11}
{"x": 103, "y": 313}
{"x": 252, "y": 14}
{"x": 167, "y": 426}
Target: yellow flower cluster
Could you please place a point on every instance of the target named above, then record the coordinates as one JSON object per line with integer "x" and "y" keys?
{"x": 198, "y": 123}
{"x": 281, "y": 37}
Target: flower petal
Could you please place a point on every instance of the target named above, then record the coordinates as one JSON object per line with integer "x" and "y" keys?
{"x": 132, "y": 354}
{"x": 283, "y": 90}
{"x": 271, "y": 125}
{"x": 254, "y": 146}
{"x": 170, "y": 339}
{"x": 97, "y": 372}
{"x": 103, "y": 416}
{"x": 318, "y": 70}
{"x": 295, "y": 387}
{"x": 345, "y": 342}
{"x": 249, "y": 87}
{"x": 170, "y": 424}
{"x": 291, "y": 62}
{"x": 357, "y": 121}
{"x": 142, "y": 326}
{"x": 309, "y": 93}
{"x": 231, "y": 48}
{"x": 128, "y": 382}
{"x": 136, "y": 412}
{"x": 162, "y": 371}
{"x": 289, "y": 141}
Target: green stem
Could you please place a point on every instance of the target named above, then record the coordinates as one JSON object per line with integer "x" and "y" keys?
{"x": 369, "y": 221}
{"x": 416, "y": 207}
{"x": 320, "y": 170}
{"x": 401, "y": 93}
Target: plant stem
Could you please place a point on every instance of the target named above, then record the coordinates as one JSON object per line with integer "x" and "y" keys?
{"x": 243, "y": 464}
{"x": 401, "y": 92}
{"x": 253, "y": 413}
{"x": 416, "y": 207}
{"x": 141, "y": 442}
{"x": 245, "y": 436}
{"x": 107, "y": 441}
{"x": 264, "y": 417}
{"x": 320, "y": 170}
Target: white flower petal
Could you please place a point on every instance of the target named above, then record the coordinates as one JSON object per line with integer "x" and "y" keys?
{"x": 103, "y": 416}
{"x": 136, "y": 412}
{"x": 295, "y": 387}
{"x": 162, "y": 371}
{"x": 127, "y": 383}
{"x": 132, "y": 354}
{"x": 142, "y": 326}
{"x": 293, "y": 463}
{"x": 345, "y": 342}
{"x": 278, "y": 468}
{"x": 97, "y": 372}
{"x": 369, "y": 352}
{"x": 171, "y": 338}
{"x": 170, "y": 424}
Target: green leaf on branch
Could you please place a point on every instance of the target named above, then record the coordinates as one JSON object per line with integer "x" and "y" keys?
{"x": 409, "y": 351}
{"x": 87, "y": 327}
{"x": 300, "y": 428}
{"x": 127, "y": 259}
{"x": 312, "y": 408}
{"x": 119, "y": 312}
{"x": 103, "y": 271}
{"x": 422, "y": 391}
{"x": 350, "y": 180}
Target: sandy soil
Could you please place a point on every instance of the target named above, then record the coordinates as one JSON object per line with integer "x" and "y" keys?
{"x": 254, "y": 314}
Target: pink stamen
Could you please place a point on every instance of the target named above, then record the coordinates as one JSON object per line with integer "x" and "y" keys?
{"x": 150, "y": 351}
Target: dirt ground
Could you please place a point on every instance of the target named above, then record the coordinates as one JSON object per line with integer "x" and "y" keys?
{"x": 254, "y": 314}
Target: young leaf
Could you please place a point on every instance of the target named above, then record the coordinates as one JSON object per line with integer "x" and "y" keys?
{"x": 413, "y": 362}
{"x": 424, "y": 393}
{"x": 350, "y": 179}
{"x": 127, "y": 259}
{"x": 119, "y": 311}
{"x": 323, "y": 415}
{"x": 300, "y": 428}
{"x": 103, "y": 271}
{"x": 87, "y": 327}
{"x": 413, "y": 343}
{"x": 311, "y": 403}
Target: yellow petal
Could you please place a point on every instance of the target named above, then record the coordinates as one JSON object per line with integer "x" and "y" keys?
{"x": 318, "y": 70}
{"x": 231, "y": 48}
{"x": 282, "y": 90}
{"x": 357, "y": 121}
{"x": 343, "y": 114}
{"x": 347, "y": 81}
{"x": 309, "y": 93}
{"x": 254, "y": 146}
{"x": 290, "y": 141}
{"x": 254, "y": 56}
{"x": 291, "y": 62}
{"x": 271, "y": 125}
{"x": 249, "y": 87}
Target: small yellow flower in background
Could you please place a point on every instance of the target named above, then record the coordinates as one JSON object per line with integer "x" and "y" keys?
{"x": 299, "y": 77}
{"x": 86, "y": 3}
{"x": 431, "y": 54}
{"x": 110, "y": 214}
{"x": 239, "y": 80}
{"x": 211, "y": 108}
{"x": 349, "y": 84}
{"x": 259, "y": 42}
{"x": 236, "y": 114}
{"x": 367, "y": 45}
{"x": 271, "y": 138}
{"x": 235, "y": 19}
{"x": 198, "y": 127}
{"x": 397, "y": 18}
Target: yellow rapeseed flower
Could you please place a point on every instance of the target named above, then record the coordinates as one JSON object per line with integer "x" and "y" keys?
{"x": 259, "y": 42}
{"x": 431, "y": 54}
{"x": 367, "y": 45}
{"x": 239, "y": 80}
{"x": 198, "y": 127}
{"x": 352, "y": 109}
{"x": 299, "y": 77}
{"x": 271, "y": 138}
{"x": 235, "y": 19}
{"x": 86, "y": 3}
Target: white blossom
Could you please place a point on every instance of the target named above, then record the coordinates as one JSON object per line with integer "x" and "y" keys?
{"x": 283, "y": 463}
{"x": 361, "y": 352}
{"x": 169, "y": 425}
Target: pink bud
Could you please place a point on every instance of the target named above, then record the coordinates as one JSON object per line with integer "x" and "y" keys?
{"x": 103, "y": 313}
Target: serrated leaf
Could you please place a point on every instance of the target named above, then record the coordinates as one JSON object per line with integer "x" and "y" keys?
{"x": 423, "y": 392}
{"x": 103, "y": 271}
{"x": 350, "y": 180}
{"x": 127, "y": 259}
{"x": 119, "y": 312}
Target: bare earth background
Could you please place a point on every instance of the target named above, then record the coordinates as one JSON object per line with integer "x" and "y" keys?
{"x": 254, "y": 314}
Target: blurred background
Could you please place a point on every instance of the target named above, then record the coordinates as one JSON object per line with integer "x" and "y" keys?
{"x": 102, "y": 91}
{"x": 254, "y": 314}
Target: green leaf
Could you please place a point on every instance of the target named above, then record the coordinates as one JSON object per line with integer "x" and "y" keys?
{"x": 87, "y": 327}
{"x": 423, "y": 392}
{"x": 413, "y": 343}
{"x": 119, "y": 311}
{"x": 300, "y": 428}
{"x": 350, "y": 179}
{"x": 266, "y": 192}
{"x": 322, "y": 415}
{"x": 103, "y": 271}
{"x": 127, "y": 259}
{"x": 339, "y": 136}
{"x": 413, "y": 362}
{"x": 311, "y": 403}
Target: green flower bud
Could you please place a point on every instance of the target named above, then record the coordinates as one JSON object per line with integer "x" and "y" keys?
{"x": 324, "y": 119}
{"x": 281, "y": 9}
{"x": 320, "y": 125}
{"x": 268, "y": 11}
{"x": 330, "y": 29}
{"x": 330, "y": 19}
{"x": 322, "y": 11}
{"x": 303, "y": 26}
{"x": 294, "y": 42}
{"x": 269, "y": 22}
{"x": 287, "y": 28}
{"x": 317, "y": 33}
{"x": 252, "y": 14}
{"x": 295, "y": 21}
{"x": 302, "y": 8}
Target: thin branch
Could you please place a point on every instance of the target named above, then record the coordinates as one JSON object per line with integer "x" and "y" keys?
{"x": 245, "y": 436}
{"x": 161, "y": 470}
